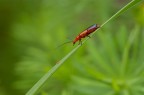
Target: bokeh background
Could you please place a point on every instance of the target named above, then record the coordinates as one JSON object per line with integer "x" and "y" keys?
{"x": 110, "y": 63}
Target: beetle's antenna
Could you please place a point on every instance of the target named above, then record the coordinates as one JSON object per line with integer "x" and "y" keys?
{"x": 63, "y": 44}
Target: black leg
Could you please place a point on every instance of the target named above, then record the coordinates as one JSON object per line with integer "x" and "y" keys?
{"x": 88, "y": 36}
{"x": 80, "y": 42}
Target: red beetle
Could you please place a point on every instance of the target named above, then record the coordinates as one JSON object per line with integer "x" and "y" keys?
{"x": 85, "y": 33}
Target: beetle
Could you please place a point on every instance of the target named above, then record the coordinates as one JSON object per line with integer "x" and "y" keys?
{"x": 86, "y": 33}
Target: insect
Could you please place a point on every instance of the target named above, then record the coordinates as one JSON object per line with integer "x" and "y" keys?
{"x": 86, "y": 33}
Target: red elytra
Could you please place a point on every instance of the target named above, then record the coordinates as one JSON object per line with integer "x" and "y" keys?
{"x": 86, "y": 33}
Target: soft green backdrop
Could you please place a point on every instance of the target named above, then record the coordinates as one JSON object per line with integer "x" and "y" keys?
{"x": 110, "y": 63}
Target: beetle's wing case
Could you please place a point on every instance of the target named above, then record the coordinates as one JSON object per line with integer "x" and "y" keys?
{"x": 92, "y": 27}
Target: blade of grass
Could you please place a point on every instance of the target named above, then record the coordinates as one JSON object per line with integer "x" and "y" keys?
{"x": 110, "y": 51}
{"x": 50, "y": 72}
{"x": 37, "y": 86}
{"x": 125, "y": 8}
{"x": 102, "y": 62}
{"x": 126, "y": 53}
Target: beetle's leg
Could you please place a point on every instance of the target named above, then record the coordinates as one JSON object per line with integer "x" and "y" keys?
{"x": 73, "y": 43}
{"x": 80, "y": 42}
{"x": 88, "y": 36}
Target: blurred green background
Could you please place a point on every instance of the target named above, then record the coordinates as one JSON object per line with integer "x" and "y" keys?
{"x": 110, "y": 63}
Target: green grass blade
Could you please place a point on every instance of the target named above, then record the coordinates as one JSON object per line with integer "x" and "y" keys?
{"x": 125, "y": 58}
{"x": 125, "y": 8}
{"x": 39, "y": 84}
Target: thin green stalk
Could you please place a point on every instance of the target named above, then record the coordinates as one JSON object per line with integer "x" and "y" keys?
{"x": 39, "y": 84}
{"x": 125, "y": 8}
{"x": 50, "y": 73}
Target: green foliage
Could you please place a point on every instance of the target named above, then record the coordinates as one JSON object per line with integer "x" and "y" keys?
{"x": 109, "y": 63}
{"x": 110, "y": 48}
